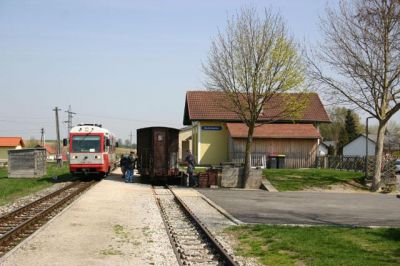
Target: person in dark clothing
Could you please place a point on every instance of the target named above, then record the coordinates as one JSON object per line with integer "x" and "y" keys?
{"x": 129, "y": 168}
{"x": 122, "y": 163}
{"x": 190, "y": 161}
{"x": 134, "y": 158}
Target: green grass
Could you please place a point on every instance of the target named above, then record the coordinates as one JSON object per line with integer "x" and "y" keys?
{"x": 283, "y": 245}
{"x": 299, "y": 179}
{"x": 13, "y": 188}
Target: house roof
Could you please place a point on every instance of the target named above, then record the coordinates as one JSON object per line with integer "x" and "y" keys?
{"x": 11, "y": 141}
{"x": 371, "y": 137}
{"x": 276, "y": 131}
{"x": 207, "y": 105}
{"x": 50, "y": 149}
{"x": 330, "y": 143}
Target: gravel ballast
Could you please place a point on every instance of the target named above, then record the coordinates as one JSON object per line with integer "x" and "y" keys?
{"x": 20, "y": 202}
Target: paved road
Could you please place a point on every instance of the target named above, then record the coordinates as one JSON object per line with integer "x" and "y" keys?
{"x": 360, "y": 209}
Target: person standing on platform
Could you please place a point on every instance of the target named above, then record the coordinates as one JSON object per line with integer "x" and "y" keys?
{"x": 190, "y": 161}
{"x": 122, "y": 163}
{"x": 129, "y": 166}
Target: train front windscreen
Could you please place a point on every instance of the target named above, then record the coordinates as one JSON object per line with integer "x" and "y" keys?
{"x": 86, "y": 144}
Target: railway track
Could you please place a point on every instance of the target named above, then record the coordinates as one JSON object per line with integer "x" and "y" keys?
{"x": 17, "y": 225}
{"x": 192, "y": 242}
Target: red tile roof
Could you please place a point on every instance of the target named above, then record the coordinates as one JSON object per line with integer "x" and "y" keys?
{"x": 50, "y": 149}
{"x": 206, "y": 105}
{"x": 11, "y": 141}
{"x": 276, "y": 131}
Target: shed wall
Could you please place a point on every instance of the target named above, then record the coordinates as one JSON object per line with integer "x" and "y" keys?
{"x": 300, "y": 153}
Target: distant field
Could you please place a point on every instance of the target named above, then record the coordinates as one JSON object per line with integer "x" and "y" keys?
{"x": 126, "y": 151}
{"x": 318, "y": 245}
{"x": 299, "y": 179}
{"x": 13, "y": 188}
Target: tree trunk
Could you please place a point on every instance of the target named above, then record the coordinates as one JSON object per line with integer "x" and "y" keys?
{"x": 376, "y": 180}
{"x": 247, "y": 160}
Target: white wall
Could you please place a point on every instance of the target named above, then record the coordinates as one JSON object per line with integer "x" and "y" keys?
{"x": 357, "y": 147}
{"x": 322, "y": 150}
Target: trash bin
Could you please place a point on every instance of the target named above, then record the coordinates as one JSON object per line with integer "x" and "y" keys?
{"x": 281, "y": 161}
{"x": 272, "y": 161}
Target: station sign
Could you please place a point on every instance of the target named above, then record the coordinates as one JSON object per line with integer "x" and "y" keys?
{"x": 215, "y": 128}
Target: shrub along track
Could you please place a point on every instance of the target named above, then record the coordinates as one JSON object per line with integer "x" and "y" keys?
{"x": 192, "y": 242}
{"x": 19, "y": 224}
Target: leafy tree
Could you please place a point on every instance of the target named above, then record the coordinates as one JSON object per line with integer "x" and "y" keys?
{"x": 251, "y": 62}
{"x": 359, "y": 62}
{"x": 338, "y": 117}
{"x": 350, "y": 126}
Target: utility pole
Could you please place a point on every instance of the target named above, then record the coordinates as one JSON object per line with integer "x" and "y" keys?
{"x": 130, "y": 140}
{"x": 59, "y": 156}
{"x": 69, "y": 121}
{"x": 42, "y": 137}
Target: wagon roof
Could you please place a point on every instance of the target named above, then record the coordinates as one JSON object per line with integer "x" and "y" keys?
{"x": 11, "y": 141}
{"x": 278, "y": 131}
{"x": 206, "y": 105}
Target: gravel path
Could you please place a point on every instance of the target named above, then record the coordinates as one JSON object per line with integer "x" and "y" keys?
{"x": 114, "y": 223}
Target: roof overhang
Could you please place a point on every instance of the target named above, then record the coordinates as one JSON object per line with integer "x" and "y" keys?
{"x": 275, "y": 131}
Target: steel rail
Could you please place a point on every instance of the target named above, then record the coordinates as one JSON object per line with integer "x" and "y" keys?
{"x": 216, "y": 245}
{"x": 37, "y": 202}
{"x": 30, "y": 225}
{"x": 171, "y": 240}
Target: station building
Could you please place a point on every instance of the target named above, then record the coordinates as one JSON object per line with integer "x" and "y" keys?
{"x": 219, "y": 136}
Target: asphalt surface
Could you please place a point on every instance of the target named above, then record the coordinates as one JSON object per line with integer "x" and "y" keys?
{"x": 314, "y": 208}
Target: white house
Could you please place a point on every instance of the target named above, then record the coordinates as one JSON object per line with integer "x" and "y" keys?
{"x": 322, "y": 149}
{"x": 357, "y": 147}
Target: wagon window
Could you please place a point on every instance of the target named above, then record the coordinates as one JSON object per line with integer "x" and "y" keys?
{"x": 160, "y": 137}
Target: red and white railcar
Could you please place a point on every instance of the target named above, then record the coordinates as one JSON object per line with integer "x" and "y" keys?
{"x": 91, "y": 150}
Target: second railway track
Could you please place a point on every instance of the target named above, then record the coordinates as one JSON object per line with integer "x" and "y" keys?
{"x": 18, "y": 224}
{"x": 192, "y": 242}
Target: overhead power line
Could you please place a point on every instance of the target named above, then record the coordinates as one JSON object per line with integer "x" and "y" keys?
{"x": 70, "y": 116}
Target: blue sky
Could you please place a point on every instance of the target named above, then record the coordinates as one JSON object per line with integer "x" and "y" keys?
{"x": 125, "y": 64}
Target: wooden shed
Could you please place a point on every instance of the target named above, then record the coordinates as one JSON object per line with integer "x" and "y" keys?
{"x": 27, "y": 163}
{"x": 298, "y": 143}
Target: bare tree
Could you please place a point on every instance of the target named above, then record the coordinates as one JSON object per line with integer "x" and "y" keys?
{"x": 359, "y": 61}
{"x": 253, "y": 60}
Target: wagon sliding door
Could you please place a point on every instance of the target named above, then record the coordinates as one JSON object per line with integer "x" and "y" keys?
{"x": 160, "y": 152}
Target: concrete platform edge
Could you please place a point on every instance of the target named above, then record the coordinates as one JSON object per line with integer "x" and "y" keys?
{"x": 221, "y": 210}
{"x": 265, "y": 184}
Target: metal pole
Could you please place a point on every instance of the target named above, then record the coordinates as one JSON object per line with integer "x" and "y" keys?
{"x": 130, "y": 140}
{"x": 42, "y": 137}
{"x": 366, "y": 147}
{"x": 59, "y": 156}
{"x": 69, "y": 120}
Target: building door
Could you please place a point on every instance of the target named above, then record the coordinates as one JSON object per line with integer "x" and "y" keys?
{"x": 160, "y": 152}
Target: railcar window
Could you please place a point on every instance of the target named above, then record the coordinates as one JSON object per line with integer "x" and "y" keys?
{"x": 159, "y": 137}
{"x": 86, "y": 144}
